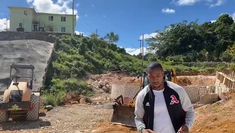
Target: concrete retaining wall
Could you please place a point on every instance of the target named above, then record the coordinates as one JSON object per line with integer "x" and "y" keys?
{"x": 32, "y": 52}
{"x": 48, "y": 37}
{"x": 224, "y": 83}
{"x": 196, "y": 92}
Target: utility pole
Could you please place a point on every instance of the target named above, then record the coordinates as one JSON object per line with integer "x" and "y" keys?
{"x": 140, "y": 46}
{"x": 143, "y": 50}
{"x": 73, "y": 20}
{"x": 142, "y": 56}
{"x": 96, "y": 33}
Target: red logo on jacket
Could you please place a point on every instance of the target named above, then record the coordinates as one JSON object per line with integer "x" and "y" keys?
{"x": 174, "y": 100}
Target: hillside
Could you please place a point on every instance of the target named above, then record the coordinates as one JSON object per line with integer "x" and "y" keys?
{"x": 76, "y": 58}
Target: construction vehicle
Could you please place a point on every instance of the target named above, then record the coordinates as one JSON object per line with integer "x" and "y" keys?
{"x": 19, "y": 101}
{"x": 123, "y": 107}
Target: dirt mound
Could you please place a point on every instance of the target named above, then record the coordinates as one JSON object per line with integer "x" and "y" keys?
{"x": 109, "y": 128}
{"x": 127, "y": 80}
{"x": 103, "y": 82}
{"x": 216, "y": 118}
{"x": 184, "y": 81}
{"x": 199, "y": 80}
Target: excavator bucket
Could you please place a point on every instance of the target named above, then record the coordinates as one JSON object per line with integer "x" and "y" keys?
{"x": 123, "y": 111}
{"x": 124, "y": 107}
{"x": 124, "y": 115}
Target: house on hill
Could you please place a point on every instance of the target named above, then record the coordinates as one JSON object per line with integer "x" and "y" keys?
{"x": 28, "y": 20}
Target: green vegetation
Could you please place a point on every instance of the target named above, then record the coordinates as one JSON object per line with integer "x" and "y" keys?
{"x": 192, "y": 42}
{"x": 189, "y": 48}
{"x": 77, "y": 57}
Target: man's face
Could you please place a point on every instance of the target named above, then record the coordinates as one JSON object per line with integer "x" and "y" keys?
{"x": 156, "y": 77}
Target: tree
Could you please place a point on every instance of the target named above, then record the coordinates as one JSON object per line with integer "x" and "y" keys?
{"x": 94, "y": 36}
{"x": 181, "y": 38}
{"x": 206, "y": 42}
{"x": 225, "y": 19}
{"x": 112, "y": 37}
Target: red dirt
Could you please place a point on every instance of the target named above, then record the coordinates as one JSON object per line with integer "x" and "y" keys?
{"x": 216, "y": 118}
{"x": 198, "y": 80}
{"x": 109, "y": 128}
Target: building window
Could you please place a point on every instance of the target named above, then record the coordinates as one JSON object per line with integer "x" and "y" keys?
{"x": 20, "y": 25}
{"x": 63, "y": 29}
{"x": 25, "y": 12}
{"x": 50, "y": 18}
{"x": 63, "y": 19}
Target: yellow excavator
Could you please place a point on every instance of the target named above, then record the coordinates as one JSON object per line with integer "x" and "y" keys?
{"x": 19, "y": 101}
{"x": 123, "y": 108}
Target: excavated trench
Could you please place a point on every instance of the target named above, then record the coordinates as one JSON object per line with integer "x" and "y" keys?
{"x": 195, "y": 86}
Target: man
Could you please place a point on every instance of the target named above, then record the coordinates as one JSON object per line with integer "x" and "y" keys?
{"x": 163, "y": 106}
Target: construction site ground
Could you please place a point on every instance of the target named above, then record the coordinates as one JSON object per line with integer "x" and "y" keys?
{"x": 95, "y": 117}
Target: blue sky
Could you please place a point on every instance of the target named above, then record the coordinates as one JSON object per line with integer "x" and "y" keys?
{"x": 128, "y": 18}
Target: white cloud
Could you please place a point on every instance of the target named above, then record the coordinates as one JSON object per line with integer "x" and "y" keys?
{"x": 168, "y": 11}
{"x": 212, "y": 21}
{"x": 4, "y": 24}
{"x": 50, "y": 6}
{"x": 186, "y": 2}
{"x": 214, "y": 3}
{"x": 148, "y": 36}
{"x": 80, "y": 33}
{"x": 28, "y": 1}
{"x": 137, "y": 51}
{"x": 134, "y": 51}
{"x": 210, "y": 3}
{"x": 233, "y": 15}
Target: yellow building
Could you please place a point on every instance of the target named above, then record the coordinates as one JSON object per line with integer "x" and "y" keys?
{"x": 28, "y": 20}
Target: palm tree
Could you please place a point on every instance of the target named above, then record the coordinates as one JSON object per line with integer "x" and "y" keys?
{"x": 112, "y": 37}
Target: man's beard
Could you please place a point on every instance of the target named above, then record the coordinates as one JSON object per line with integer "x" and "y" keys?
{"x": 156, "y": 85}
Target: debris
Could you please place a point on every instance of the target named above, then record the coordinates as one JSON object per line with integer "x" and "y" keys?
{"x": 49, "y": 107}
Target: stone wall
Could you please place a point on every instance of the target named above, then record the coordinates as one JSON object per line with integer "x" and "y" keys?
{"x": 44, "y": 36}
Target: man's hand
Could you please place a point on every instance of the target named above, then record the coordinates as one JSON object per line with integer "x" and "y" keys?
{"x": 183, "y": 129}
{"x": 148, "y": 131}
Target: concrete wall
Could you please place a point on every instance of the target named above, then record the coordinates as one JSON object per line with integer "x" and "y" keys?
{"x": 25, "y": 48}
{"x": 34, "y": 52}
{"x": 4, "y": 36}
{"x": 224, "y": 83}
{"x": 196, "y": 92}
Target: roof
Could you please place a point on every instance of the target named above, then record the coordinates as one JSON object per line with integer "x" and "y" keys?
{"x": 55, "y": 14}
{"x": 41, "y": 12}
{"x": 22, "y": 8}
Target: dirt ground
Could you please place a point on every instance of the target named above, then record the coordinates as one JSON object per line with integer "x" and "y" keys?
{"x": 216, "y": 118}
{"x": 67, "y": 119}
{"x": 199, "y": 80}
{"x": 95, "y": 118}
